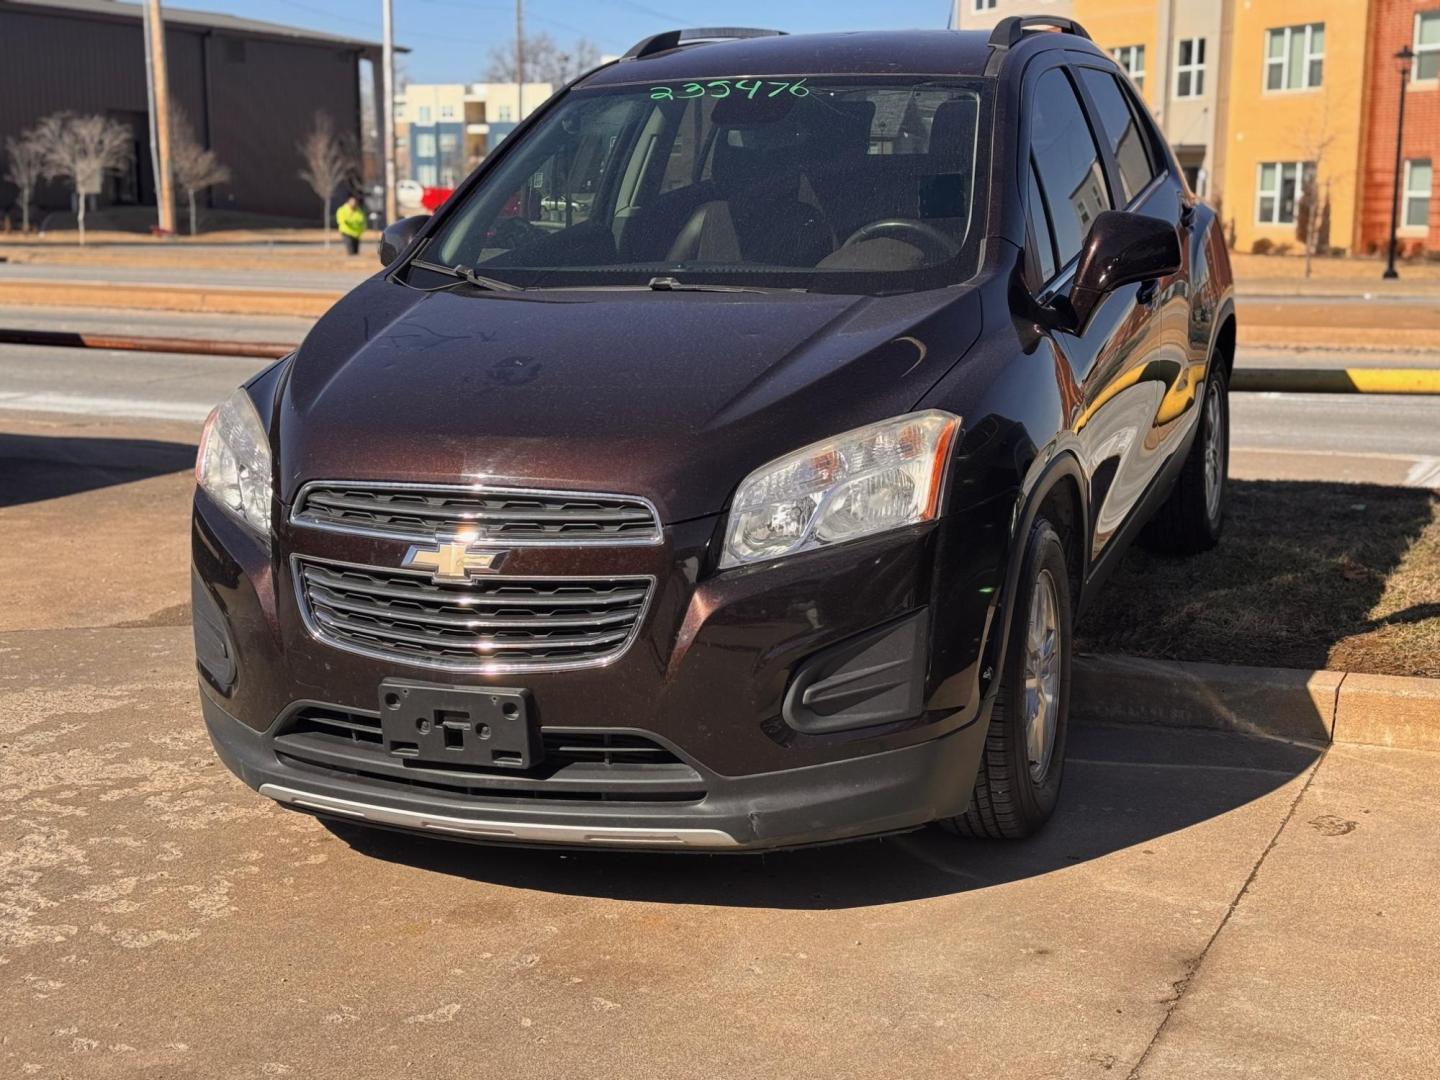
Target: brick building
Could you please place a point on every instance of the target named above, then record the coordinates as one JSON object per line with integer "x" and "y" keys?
{"x": 1394, "y": 24}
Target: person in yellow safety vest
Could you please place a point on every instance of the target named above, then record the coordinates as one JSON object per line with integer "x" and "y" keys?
{"x": 351, "y": 221}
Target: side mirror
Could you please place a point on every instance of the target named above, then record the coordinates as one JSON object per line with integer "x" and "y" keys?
{"x": 1122, "y": 248}
{"x": 397, "y": 236}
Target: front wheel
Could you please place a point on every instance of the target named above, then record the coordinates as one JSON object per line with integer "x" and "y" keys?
{"x": 1193, "y": 515}
{"x": 1023, "y": 762}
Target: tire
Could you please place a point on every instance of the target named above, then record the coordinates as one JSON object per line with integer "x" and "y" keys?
{"x": 1193, "y": 515}
{"x": 1014, "y": 795}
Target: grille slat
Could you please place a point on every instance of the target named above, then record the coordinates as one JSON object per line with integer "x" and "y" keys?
{"x": 576, "y": 764}
{"x": 489, "y": 624}
{"x": 511, "y": 515}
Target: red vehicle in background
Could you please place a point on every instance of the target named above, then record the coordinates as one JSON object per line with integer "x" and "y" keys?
{"x": 432, "y": 197}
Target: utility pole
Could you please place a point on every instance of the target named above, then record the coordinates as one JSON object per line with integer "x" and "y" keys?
{"x": 1404, "y": 56}
{"x": 159, "y": 116}
{"x": 387, "y": 121}
{"x": 519, "y": 60}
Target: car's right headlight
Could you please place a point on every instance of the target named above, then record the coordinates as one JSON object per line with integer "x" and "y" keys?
{"x": 233, "y": 465}
{"x": 870, "y": 480}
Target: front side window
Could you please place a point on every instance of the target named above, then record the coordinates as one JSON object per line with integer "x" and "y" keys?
{"x": 1072, "y": 182}
{"x": 1280, "y": 186}
{"x": 1427, "y": 46}
{"x": 1295, "y": 57}
{"x": 1122, "y": 128}
{"x": 1190, "y": 68}
{"x": 1418, "y": 175}
{"x": 856, "y": 185}
{"x": 1132, "y": 59}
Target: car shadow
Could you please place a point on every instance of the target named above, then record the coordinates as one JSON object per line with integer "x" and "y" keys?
{"x": 1125, "y": 787}
{"x": 1294, "y": 583}
{"x": 34, "y": 468}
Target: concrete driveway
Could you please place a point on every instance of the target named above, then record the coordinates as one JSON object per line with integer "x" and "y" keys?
{"x": 1204, "y": 906}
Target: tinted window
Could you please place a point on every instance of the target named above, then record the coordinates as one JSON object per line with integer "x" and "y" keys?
{"x": 1069, "y": 163}
{"x": 1117, "y": 120}
{"x": 1043, "y": 243}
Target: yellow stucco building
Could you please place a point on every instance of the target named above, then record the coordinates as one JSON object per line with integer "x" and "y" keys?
{"x": 1296, "y": 104}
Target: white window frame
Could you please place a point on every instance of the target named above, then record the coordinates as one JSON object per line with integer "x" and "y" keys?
{"x": 983, "y": 5}
{"x": 424, "y": 116}
{"x": 426, "y": 145}
{"x": 1126, "y": 56}
{"x": 1420, "y": 50}
{"x": 1411, "y": 193}
{"x": 1195, "y": 69}
{"x": 1287, "y": 35}
{"x": 447, "y": 112}
{"x": 1299, "y": 169}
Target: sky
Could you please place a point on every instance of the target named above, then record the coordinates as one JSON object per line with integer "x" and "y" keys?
{"x": 450, "y": 40}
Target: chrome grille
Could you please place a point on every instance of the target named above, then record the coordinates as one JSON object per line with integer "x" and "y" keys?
{"x": 514, "y": 516}
{"x": 489, "y": 624}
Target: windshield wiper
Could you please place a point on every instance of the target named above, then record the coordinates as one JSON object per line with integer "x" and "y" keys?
{"x": 468, "y": 276}
{"x": 670, "y": 284}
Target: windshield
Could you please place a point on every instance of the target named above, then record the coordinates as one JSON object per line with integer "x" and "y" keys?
{"x": 837, "y": 185}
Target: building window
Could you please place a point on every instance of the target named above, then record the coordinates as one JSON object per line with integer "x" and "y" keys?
{"x": 447, "y": 112}
{"x": 1295, "y": 57}
{"x": 424, "y": 114}
{"x": 1427, "y": 46}
{"x": 1418, "y": 175}
{"x": 983, "y": 5}
{"x": 1190, "y": 68}
{"x": 449, "y": 143}
{"x": 1132, "y": 59}
{"x": 426, "y": 174}
{"x": 1279, "y": 190}
{"x": 425, "y": 145}
{"x": 507, "y": 114}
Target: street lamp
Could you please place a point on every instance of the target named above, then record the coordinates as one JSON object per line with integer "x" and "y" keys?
{"x": 1405, "y": 56}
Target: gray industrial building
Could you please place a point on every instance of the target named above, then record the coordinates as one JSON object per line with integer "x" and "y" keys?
{"x": 251, "y": 90}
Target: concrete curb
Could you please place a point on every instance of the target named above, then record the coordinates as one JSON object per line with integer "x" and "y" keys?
{"x": 214, "y": 300}
{"x": 1315, "y": 706}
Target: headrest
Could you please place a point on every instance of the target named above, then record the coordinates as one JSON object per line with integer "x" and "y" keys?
{"x": 953, "y": 129}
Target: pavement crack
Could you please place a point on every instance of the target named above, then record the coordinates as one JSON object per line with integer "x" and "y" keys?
{"x": 1192, "y": 968}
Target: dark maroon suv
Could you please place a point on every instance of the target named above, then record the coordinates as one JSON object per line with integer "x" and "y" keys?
{"x": 725, "y": 464}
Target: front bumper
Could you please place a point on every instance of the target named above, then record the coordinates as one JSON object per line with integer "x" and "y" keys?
{"x": 708, "y": 677}
{"x": 873, "y": 795}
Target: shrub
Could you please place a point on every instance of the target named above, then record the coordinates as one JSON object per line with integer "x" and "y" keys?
{"x": 1263, "y": 246}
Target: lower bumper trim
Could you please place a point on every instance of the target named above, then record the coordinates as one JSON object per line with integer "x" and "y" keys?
{"x": 529, "y": 833}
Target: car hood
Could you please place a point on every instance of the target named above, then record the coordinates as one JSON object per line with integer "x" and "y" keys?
{"x": 671, "y": 396}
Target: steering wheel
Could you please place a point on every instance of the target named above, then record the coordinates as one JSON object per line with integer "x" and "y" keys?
{"x": 935, "y": 244}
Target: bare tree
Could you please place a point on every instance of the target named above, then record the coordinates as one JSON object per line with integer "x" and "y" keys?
{"x": 1312, "y": 210}
{"x": 545, "y": 60}
{"x": 195, "y": 168}
{"x": 329, "y": 162}
{"x": 81, "y": 150}
{"x": 25, "y": 169}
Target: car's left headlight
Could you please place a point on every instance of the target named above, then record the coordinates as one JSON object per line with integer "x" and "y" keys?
{"x": 870, "y": 480}
{"x": 233, "y": 465}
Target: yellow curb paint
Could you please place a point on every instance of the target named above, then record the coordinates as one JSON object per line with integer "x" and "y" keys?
{"x": 1338, "y": 381}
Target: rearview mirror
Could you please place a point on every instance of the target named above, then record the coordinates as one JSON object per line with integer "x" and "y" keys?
{"x": 397, "y": 236}
{"x": 1122, "y": 248}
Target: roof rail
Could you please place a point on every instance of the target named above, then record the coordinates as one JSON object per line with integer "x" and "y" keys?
{"x": 672, "y": 39}
{"x": 1010, "y": 31}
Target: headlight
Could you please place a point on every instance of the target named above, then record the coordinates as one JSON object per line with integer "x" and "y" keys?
{"x": 233, "y": 466}
{"x": 866, "y": 481}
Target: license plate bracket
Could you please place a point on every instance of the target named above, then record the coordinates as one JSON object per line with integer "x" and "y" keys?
{"x": 459, "y": 725}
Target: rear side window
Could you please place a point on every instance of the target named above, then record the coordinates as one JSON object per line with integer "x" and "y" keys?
{"x": 1071, "y": 180}
{"x": 1122, "y": 128}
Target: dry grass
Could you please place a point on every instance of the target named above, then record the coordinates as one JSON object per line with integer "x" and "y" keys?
{"x": 1272, "y": 267}
{"x": 1309, "y": 575}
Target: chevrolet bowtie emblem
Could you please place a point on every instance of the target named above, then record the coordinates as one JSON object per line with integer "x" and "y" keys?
{"x": 454, "y": 561}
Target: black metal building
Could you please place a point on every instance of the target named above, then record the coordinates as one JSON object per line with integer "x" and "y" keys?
{"x": 251, "y": 90}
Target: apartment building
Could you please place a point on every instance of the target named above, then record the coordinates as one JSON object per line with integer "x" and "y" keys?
{"x": 1393, "y": 25}
{"x": 444, "y": 130}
